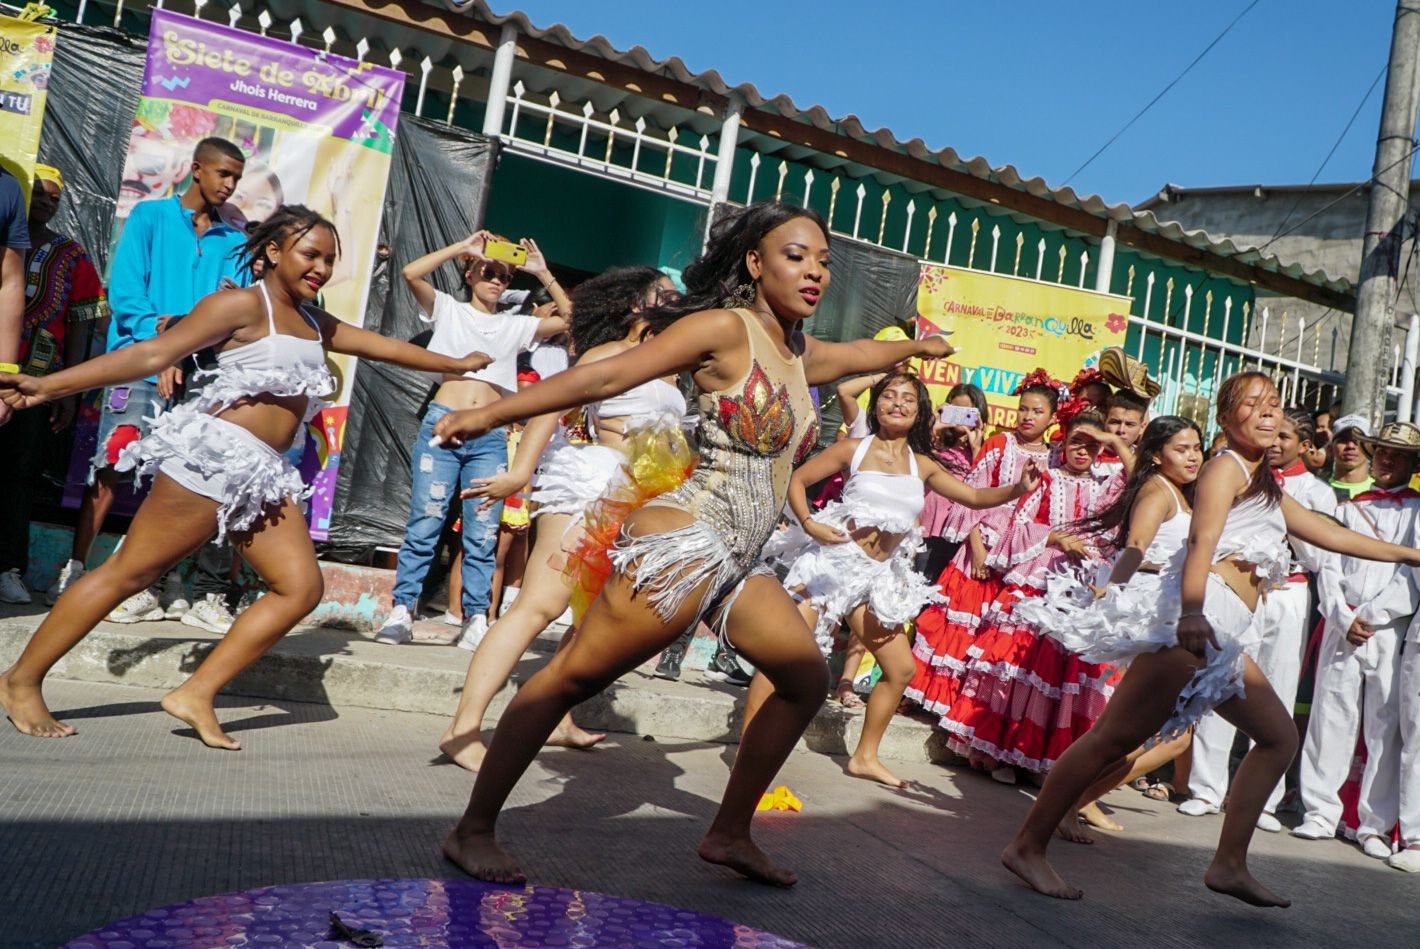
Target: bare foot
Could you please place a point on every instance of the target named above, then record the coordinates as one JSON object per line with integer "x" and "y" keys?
{"x": 568, "y": 735}
{"x": 1036, "y": 871}
{"x": 1070, "y": 828}
{"x": 874, "y": 770}
{"x": 846, "y": 696}
{"x": 203, "y": 719}
{"x": 1092, "y": 815}
{"x": 742, "y": 856}
{"x": 27, "y": 712}
{"x": 466, "y": 752}
{"x": 1239, "y": 883}
{"x": 480, "y": 857}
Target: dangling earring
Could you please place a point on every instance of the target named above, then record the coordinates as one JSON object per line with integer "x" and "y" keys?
{"x": 742, "y": 298}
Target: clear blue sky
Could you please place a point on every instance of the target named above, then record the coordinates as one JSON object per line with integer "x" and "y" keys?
{"x": 1042, "y": 85}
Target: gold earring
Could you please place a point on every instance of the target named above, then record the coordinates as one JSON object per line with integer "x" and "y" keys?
{"x": 742, "y": 298}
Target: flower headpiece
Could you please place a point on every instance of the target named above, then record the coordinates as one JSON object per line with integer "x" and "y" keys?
{"x": 1084, "y": 377}
{"x": 1039, "y": 377}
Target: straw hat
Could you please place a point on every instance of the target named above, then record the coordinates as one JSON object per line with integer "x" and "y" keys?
{"x": 1398, "y": 436}
{"x": 1125, "y": 372}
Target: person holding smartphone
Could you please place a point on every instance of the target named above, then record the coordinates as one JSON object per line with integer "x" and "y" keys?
{"x": 440, "y": 472}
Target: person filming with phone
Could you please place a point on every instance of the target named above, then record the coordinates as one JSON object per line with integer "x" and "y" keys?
{"x": 489, "y": 264}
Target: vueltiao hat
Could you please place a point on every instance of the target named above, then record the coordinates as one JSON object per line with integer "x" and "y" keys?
{"x": 1125, "y": 372}
{"x": 1399, "y": 436}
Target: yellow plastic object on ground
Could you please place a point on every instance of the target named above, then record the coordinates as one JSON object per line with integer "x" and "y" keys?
{"x": 780, "y": 799}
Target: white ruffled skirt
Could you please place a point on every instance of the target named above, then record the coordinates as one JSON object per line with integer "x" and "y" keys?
{"x": 571, "y": 477}
{"x": 1142, "y": 617}
{"x": 218, "y": 460}
{"x": 837, "y": 578}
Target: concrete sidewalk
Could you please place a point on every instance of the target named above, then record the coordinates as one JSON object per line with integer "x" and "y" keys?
{"x": 133, "y": 813}
{"x": 348, "y": 669}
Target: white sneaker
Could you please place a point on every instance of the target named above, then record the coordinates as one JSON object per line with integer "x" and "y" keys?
{"x": 449, "y": 619}
{"x": 398, "y": 628}
{"x": 173, "y": 599}
{"x": 12, "y": 587}
{"x": 1268, "y": 823}
{"x": 141, "y": 607}
{"x": 1195, "y": 807}
{"x": 509, "y": 595}
{"x": 210, "y": 613}
{"x": 473, "y": 632}
{"x": 1312, "y": 830}
{"x": 1374, "y": 846}
{"x": 1407, "y": 860}
{"x": 68, "y": 573}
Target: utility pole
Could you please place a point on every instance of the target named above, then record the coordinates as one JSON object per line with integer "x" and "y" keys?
{"x": 1368, "y": 360}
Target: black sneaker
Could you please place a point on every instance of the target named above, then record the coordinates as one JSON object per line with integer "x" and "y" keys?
{"x": 669, "y": 666}
{"x": 727, "y": 669}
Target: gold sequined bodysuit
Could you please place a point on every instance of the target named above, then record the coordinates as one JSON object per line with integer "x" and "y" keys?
{"x": 751, "y": 435}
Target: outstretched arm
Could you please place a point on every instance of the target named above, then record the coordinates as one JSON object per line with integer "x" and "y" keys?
{"x": 341, "y": 337}
{"x": 1322, "y": 532}
{"x": 536, "y": 435}
{"x": 949, "y": 486}
{"x": 825, "y": 362}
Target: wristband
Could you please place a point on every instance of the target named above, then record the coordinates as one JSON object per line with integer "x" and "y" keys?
{"x": 10, "y": 367}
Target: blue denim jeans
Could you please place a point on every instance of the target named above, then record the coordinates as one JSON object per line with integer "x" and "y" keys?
{"x": 439, "y": 474}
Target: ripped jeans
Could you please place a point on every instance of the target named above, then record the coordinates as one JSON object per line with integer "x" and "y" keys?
{"x": 439, "y": 475}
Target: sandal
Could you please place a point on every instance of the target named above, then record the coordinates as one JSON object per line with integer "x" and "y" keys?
{"x": 1160, "y": 791}
{"x": 846, "y": 695}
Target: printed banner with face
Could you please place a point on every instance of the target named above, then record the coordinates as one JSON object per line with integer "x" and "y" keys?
{"x": 317, "y": 130}
{"x": 1003, "y": 327}
{"x": 26, "y": 53}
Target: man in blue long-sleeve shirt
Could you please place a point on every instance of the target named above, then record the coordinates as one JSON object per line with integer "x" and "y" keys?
{"x": 172, "y": 252}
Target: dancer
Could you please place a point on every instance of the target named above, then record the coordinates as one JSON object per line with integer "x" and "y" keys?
{"x": 1148, "y": 524}
{"x": 945, "y": 631}
{"x": 854, "y": 558}
{"x": 1188, "y": 646}
{"x": 1024, "y": 698}
{"x": 440, "y": 472}
{"x": 609, "y": 318}
{"x": 217, "y": 463}
{"x": 694, "y": 551}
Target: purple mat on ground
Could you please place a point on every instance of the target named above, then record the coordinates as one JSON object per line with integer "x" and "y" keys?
{"x": 462, "y": 914}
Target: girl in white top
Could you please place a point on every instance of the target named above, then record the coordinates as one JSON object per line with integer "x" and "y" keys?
{"x": 218, "y": 463}
{"x": 1236, "y": 550}
{"x": 855, "y": 557}
{"x": 607, "y": 320}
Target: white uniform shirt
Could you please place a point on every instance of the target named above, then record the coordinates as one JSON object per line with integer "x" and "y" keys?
{"x": 1316, "y": 495}
{"x": 1376, "y": 593}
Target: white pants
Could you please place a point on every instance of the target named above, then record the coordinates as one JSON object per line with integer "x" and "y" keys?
{"x": 1282, "y": 618}
{"x": 1354, "y": 685}
{"x": 1409, "y": 688}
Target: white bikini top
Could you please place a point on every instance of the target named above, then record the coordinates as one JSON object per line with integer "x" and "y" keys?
{"x": 277, "y": 364}
{"x": 1256, "y": 533}
{"x": 653, "y": 399}
{"x": 889, "y": 502}
{"x": 1172, "y": 536}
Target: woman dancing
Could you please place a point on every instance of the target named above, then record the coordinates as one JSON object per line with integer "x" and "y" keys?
{"x": 692, "y": 552}
{"x": 217, "y": 463}
{"x": 608, "y": 319}
{"x": 1188, "y": 646}
{"x": 854, "y": 558}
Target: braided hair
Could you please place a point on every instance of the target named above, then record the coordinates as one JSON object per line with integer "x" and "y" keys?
{"x": 287, "y": 224}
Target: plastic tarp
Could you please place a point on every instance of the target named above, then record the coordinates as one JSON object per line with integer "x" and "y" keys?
{"x": 437, "y": 193}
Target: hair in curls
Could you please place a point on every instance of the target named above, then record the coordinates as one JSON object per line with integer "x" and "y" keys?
{"x": 1113, "y": 522}
{"x": 1230, "y": 396}
{"x": 288, "y": 223}
{"x": 919, "y": 436}
{"x": 605, "y": 307}
{"x": 1302, "y": 422}
{"x": 948, "y": 437}
{"x": 721, "y": 268}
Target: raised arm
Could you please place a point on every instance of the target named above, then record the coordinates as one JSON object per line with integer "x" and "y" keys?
{"x": 536, "y": 264}
{"x": 949, "y": 486}
{"x": 1323, "y": 532}
{"x": 825, "y": 362}
{"x": 416, "y": 272}
{"x": 685, "y": 345}
{"x": 848, "y": 391}
{"x": 341, "y": 337}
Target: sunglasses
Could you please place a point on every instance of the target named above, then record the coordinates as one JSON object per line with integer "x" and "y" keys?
{"x": 492, "y": 274}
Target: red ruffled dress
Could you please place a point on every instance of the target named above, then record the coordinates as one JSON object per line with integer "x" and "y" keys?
{"x": 946, "y": 631}
{"x": 1023, "y": 698}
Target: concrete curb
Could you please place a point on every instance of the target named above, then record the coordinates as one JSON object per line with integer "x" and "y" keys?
{"x": 341, "y": 668}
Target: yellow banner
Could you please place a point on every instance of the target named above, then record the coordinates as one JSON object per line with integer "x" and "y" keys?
{"x": 1006, "y": 326}
{"x": 26, "y": 51}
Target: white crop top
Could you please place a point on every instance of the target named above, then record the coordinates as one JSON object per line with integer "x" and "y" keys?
{"x": 460, "y": 329}
{"x": 276, "y": 352}
{"x": 1171, "y": 539}
{"x": 880, "y": 499}
{"x": 1256, "y": 533}
{"x": 650, "y": 400}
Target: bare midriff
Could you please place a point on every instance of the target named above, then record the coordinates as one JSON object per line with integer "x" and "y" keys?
{"x": 1242, "y": 578}
{"x": 274, "y": 419}
{"x": 877, "y": 544}
{"x": 459, "y": 393}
